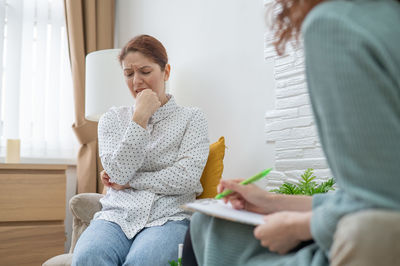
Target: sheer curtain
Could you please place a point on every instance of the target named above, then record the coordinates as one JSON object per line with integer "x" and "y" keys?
{"x": 36, "y": 86}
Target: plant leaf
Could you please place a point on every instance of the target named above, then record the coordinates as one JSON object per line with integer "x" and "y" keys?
{"x": 306, "y": 186}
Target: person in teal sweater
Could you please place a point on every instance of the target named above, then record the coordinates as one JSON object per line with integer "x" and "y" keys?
{"x": 352, "y": 58}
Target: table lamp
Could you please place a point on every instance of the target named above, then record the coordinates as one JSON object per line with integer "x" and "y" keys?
{"x": 105, "y": 84}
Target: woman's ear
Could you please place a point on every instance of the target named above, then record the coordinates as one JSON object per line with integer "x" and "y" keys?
{"x": 167, "y": 70}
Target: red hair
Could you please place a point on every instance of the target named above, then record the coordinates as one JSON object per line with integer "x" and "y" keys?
{"x": 286, "y": 24}
{"x": 149, "y": 47}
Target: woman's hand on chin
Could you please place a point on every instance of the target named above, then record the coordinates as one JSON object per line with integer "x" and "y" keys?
{"x": 147, "y": 103}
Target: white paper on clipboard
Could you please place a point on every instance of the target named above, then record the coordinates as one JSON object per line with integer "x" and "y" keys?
{"x": 219, "y": 209}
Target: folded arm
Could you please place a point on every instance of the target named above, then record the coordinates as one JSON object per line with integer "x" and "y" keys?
{"x": 122, "y": 151}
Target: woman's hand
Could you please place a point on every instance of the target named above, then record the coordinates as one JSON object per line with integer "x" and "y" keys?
{"x": 252, "y": 198}
{"x": 147, "y": 103}
{"x": 283, "y": 231}
{"x": 105, "y": 179}
{"x": 248, "y": 197}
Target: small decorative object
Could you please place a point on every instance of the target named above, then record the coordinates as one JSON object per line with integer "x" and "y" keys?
{"x": 13, "y": 151}
{"x": 179, "y": 263}
{"x": 307, "y": 185}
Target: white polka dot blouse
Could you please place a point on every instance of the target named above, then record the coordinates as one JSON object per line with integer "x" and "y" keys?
{"x": 162, "y": 164}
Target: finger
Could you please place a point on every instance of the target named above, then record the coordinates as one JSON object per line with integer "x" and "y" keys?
{"x": 282, "y": 251}
{"x": 139, "y": 95}
{"x": 237, "y": 204}
{"x": 219, "y": 188}
{"x": 235, "y": 186}
{"x": 266, "y": 218}
{"x": 105, "y": 183}
{"x": 257, "y": 232}
{"x": 233, "y": 196}
{"x": 237, "y": 180}
{"x": 228, "y": 198}
{"x": 265, "y": 244}
{"x": 260, "y": 232}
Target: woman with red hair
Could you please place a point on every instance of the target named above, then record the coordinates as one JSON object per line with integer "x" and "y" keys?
{"x": 352, "y": 60}
{"x": 153, "y": 153}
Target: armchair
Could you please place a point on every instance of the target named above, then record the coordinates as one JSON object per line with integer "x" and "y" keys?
{"x": 83, "y": 207}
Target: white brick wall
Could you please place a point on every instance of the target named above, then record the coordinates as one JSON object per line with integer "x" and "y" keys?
{"x": 290, "y": 125}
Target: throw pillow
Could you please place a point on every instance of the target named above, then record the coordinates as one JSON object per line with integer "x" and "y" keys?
{"x": 212, "y": 172}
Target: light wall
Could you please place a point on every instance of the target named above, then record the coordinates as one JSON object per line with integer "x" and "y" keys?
{"x": 290, "y": 126}
{"x": 216, "y": 50}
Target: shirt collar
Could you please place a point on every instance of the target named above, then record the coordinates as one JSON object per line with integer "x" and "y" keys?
{"x": 164, "y": 111}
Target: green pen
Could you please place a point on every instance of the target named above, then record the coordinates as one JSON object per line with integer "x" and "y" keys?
{"x": 245, "y": 182}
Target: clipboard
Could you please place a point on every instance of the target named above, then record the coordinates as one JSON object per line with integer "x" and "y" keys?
{"x": 219, "y": 209}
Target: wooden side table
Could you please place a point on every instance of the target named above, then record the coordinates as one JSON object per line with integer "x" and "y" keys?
{"x": 32, "y": 212}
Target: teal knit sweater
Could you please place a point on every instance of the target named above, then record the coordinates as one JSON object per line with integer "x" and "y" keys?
{"x": 352, "y": 51}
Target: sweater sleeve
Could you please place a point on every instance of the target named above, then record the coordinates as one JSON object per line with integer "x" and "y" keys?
{"x": 121, "y": 150}
{"x": 183, "y": 176}
{"x": 356, "y": 106}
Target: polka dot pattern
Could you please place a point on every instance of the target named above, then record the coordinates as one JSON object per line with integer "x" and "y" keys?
{"x": 162, "y": 163}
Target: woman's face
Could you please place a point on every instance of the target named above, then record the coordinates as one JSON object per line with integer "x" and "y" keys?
{"x": 142, "y": 73}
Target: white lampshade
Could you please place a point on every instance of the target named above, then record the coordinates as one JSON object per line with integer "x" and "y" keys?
{"x": 105, "y": 85}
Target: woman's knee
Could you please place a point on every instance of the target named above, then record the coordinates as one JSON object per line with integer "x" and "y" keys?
{"x": 145, "y": 254}
{"x": 158, "y": 245}
{"x": 87, "y": 255}
{"x": 367, "y": 238}
{"x": 97, "y": 254}
{"x": 102, "y": 243}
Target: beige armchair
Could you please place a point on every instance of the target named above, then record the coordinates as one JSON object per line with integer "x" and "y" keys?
{"x": 83, "y": 207}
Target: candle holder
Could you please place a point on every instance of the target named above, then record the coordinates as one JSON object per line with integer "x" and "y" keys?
{"x": 13, "y": 151}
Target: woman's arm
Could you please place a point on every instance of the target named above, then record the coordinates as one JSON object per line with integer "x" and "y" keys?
{"x": 184, "y": 175}
{"x": 253, "y": 198}
{"x": 281, "y": 202}
{"x": 122, "y": 151}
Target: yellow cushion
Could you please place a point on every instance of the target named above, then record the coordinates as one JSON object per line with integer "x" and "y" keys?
{"x": 213, "y": 170}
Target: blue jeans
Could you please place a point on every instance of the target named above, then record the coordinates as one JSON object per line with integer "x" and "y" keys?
{"x": 104, "y": 243}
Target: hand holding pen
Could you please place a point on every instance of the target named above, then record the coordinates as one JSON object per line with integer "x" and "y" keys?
{"x": 248, "y": 197}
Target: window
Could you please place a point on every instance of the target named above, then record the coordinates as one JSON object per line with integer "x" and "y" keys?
{"x": 36, "y": 99}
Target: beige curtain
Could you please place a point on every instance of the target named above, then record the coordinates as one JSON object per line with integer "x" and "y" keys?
{"x": 90, "y": 27}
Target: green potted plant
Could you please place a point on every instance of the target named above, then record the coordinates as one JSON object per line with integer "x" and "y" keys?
{"x": 174, "y": 263}
{"x": 306, "y": 186}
